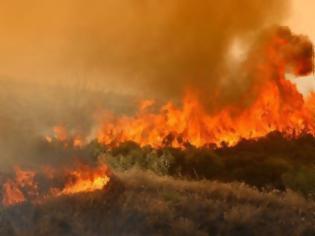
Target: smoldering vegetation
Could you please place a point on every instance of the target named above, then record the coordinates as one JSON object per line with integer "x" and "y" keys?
{"x": 142, "y": 203}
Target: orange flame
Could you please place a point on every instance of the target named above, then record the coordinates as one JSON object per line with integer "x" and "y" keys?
{"x": 12, "y": 194}
{"x": 85, "y": 179}
{"x": 81, "y": 179}
{"x": 277, "y": 105}
{"x": 62, "y": 135}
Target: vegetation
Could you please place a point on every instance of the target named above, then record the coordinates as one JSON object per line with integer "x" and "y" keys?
{"x": 271, "y": 162}
{"x": 142, "y": 203}
{"x": 262, "y": 187}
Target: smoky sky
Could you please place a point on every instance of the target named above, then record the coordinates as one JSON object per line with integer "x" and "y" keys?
{"x": 155, "y": 47}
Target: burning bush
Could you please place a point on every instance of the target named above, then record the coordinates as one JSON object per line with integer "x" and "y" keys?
{"x": 37, "y": 187}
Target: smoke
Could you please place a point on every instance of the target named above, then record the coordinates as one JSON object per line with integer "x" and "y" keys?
{"x": 160, "y": 47}
{"x": 149, "y": 48}
{"x": 165, "y": 47}
{"x": 276, "y": 52}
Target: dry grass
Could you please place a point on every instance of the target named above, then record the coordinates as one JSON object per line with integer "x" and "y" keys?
{"x": 141, "y": 203}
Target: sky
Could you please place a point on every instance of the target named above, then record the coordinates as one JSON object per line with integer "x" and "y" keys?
{"x": 301, "y": 18}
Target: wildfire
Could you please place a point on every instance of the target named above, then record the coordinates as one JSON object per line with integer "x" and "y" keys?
{"x": 276, "y": 105}
{"x": 12, "y": 194}
{"x": 62, "y": 135}
{"x": 85, "y": 179}
{"x": 25, "y": 185}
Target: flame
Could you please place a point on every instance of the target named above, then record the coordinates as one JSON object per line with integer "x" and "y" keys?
{"x": 12, "y": 194}
{"x": 272, "y": 104}
{"x": 62, "y": 135}
{"x": 276, "y": 105}
{"x": 85, "y": 179}
{"x": 24, "y": 186}
{"x": 145, "y": 104}
{"x": 191, "y": 123}
{"x": 78, "y": 142}
{"x": 13, "y": 190}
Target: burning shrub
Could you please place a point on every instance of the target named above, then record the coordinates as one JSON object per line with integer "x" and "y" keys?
{"x": 36, "y": 187}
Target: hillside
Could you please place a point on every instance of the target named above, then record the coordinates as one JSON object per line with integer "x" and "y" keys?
{"x": 141, "y": 203}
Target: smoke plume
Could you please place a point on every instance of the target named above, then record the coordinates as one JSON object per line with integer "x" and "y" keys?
{"x": 148, "y": 48}
{"x": 160, "y": 47}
